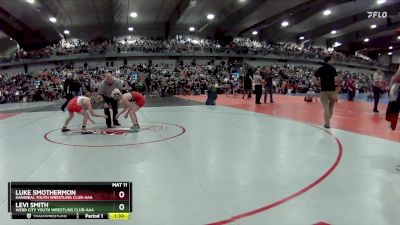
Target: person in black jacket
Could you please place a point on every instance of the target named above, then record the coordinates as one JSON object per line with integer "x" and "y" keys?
{"x": 268, "y": 88}
{"x": 67, "y": 91}
{"x": 327, "y": 78}
{"x": 76, "y": 86}
{"x": 258, "y": 84}
{"x": 147, "y": 81}
{"x": 393, "y": 108}
{"x": 247, "y": 86}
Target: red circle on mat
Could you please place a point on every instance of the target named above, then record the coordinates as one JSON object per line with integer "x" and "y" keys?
{"x": 283, "y": 200}
{"x": 294, "y": 195}
{"x": 182, "y": 131}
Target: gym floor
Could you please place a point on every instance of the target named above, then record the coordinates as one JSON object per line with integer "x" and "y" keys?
{"x": 234, "y": 163}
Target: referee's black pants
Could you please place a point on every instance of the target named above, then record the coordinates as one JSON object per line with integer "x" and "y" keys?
{"x": 377, "y": 94}
{"x": 258, "y": 91}
{"x": 114, "y": 105}
{"x": 68, "y": 97}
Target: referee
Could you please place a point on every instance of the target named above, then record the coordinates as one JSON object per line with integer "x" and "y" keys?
{"x": 105, "y": 88}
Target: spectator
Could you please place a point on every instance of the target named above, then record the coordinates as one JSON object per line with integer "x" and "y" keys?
{"x": 351, "y": 89}
{"x": 76, "y": 87}
{"x": 211, "y": 95}
{"x": 268, "y": 84}
{"x": 258, "y": 84}
{"x": 247, "y": 82}
{"x": 310, "y": 96}
{"x": 148, "y": 85}
{"x": 377, "y": 86}
{"x": 328, "y": 79}
{"x": 178, "y": 45}
{"x": 68, "y": 94}
{"x": 168, "y": 79}
{"x": 393, "y": 108}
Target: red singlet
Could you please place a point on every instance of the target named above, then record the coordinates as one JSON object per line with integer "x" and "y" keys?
{"x": 138, "y": 99}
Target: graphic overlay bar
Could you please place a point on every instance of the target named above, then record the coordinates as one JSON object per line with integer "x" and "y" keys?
{"x": 70, "y": 200}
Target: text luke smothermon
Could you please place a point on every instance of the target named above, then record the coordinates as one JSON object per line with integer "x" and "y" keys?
{"x": 45, "y": 192}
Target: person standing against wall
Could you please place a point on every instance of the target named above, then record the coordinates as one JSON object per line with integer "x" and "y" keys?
{"x": 327, "y": 77}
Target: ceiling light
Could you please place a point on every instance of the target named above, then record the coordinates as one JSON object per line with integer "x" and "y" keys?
{"x": 130, "y": 28}
{"x": 66, "y": 31}
{"x": 380, "y": 1}
{"x": 333, "y": 32}
{"x": 254, "y": 32}
{"x": 191, "y": 29}
{"x": 285, "y": 24}
{"x": 301, "y": 38}
{"x": 242, "y": 0}
{"x": 373, "y": 26}
{"x": 390, "y": 47}
{"x": 366, "y": 39}
{"x": 133, "y": 14}
{"x": 389, "y": 53}
{"x": 398, "y": 37}
{"x": 11, "y": 39}
{"x": 337, "y": 44}
{"x": 210, "y": 16}
{"x": 30, "y": 1}
{"x": 52, "y": 19}
{"x": 327, "y": 12}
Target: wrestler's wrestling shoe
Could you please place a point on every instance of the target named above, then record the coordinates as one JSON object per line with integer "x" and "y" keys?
{"x": 86, "y": 132}
{"x": 64, "y": 129}
{"x": 135, "y": 128}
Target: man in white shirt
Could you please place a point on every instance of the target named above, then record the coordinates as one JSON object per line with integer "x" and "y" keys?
{"x": 258, "y": 82}
{"x": 377, "y": 86}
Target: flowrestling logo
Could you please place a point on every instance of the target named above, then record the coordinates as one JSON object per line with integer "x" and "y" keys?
{"x": 377, "y": 14}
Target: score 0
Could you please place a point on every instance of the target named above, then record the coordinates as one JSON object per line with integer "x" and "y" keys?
{"x": 121, "y": 194}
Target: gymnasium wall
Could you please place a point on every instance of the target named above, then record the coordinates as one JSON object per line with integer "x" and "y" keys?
{"x": 385, "y": 59}
{"x": 7, "y": 47}
{"x": 34, "y": 68}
